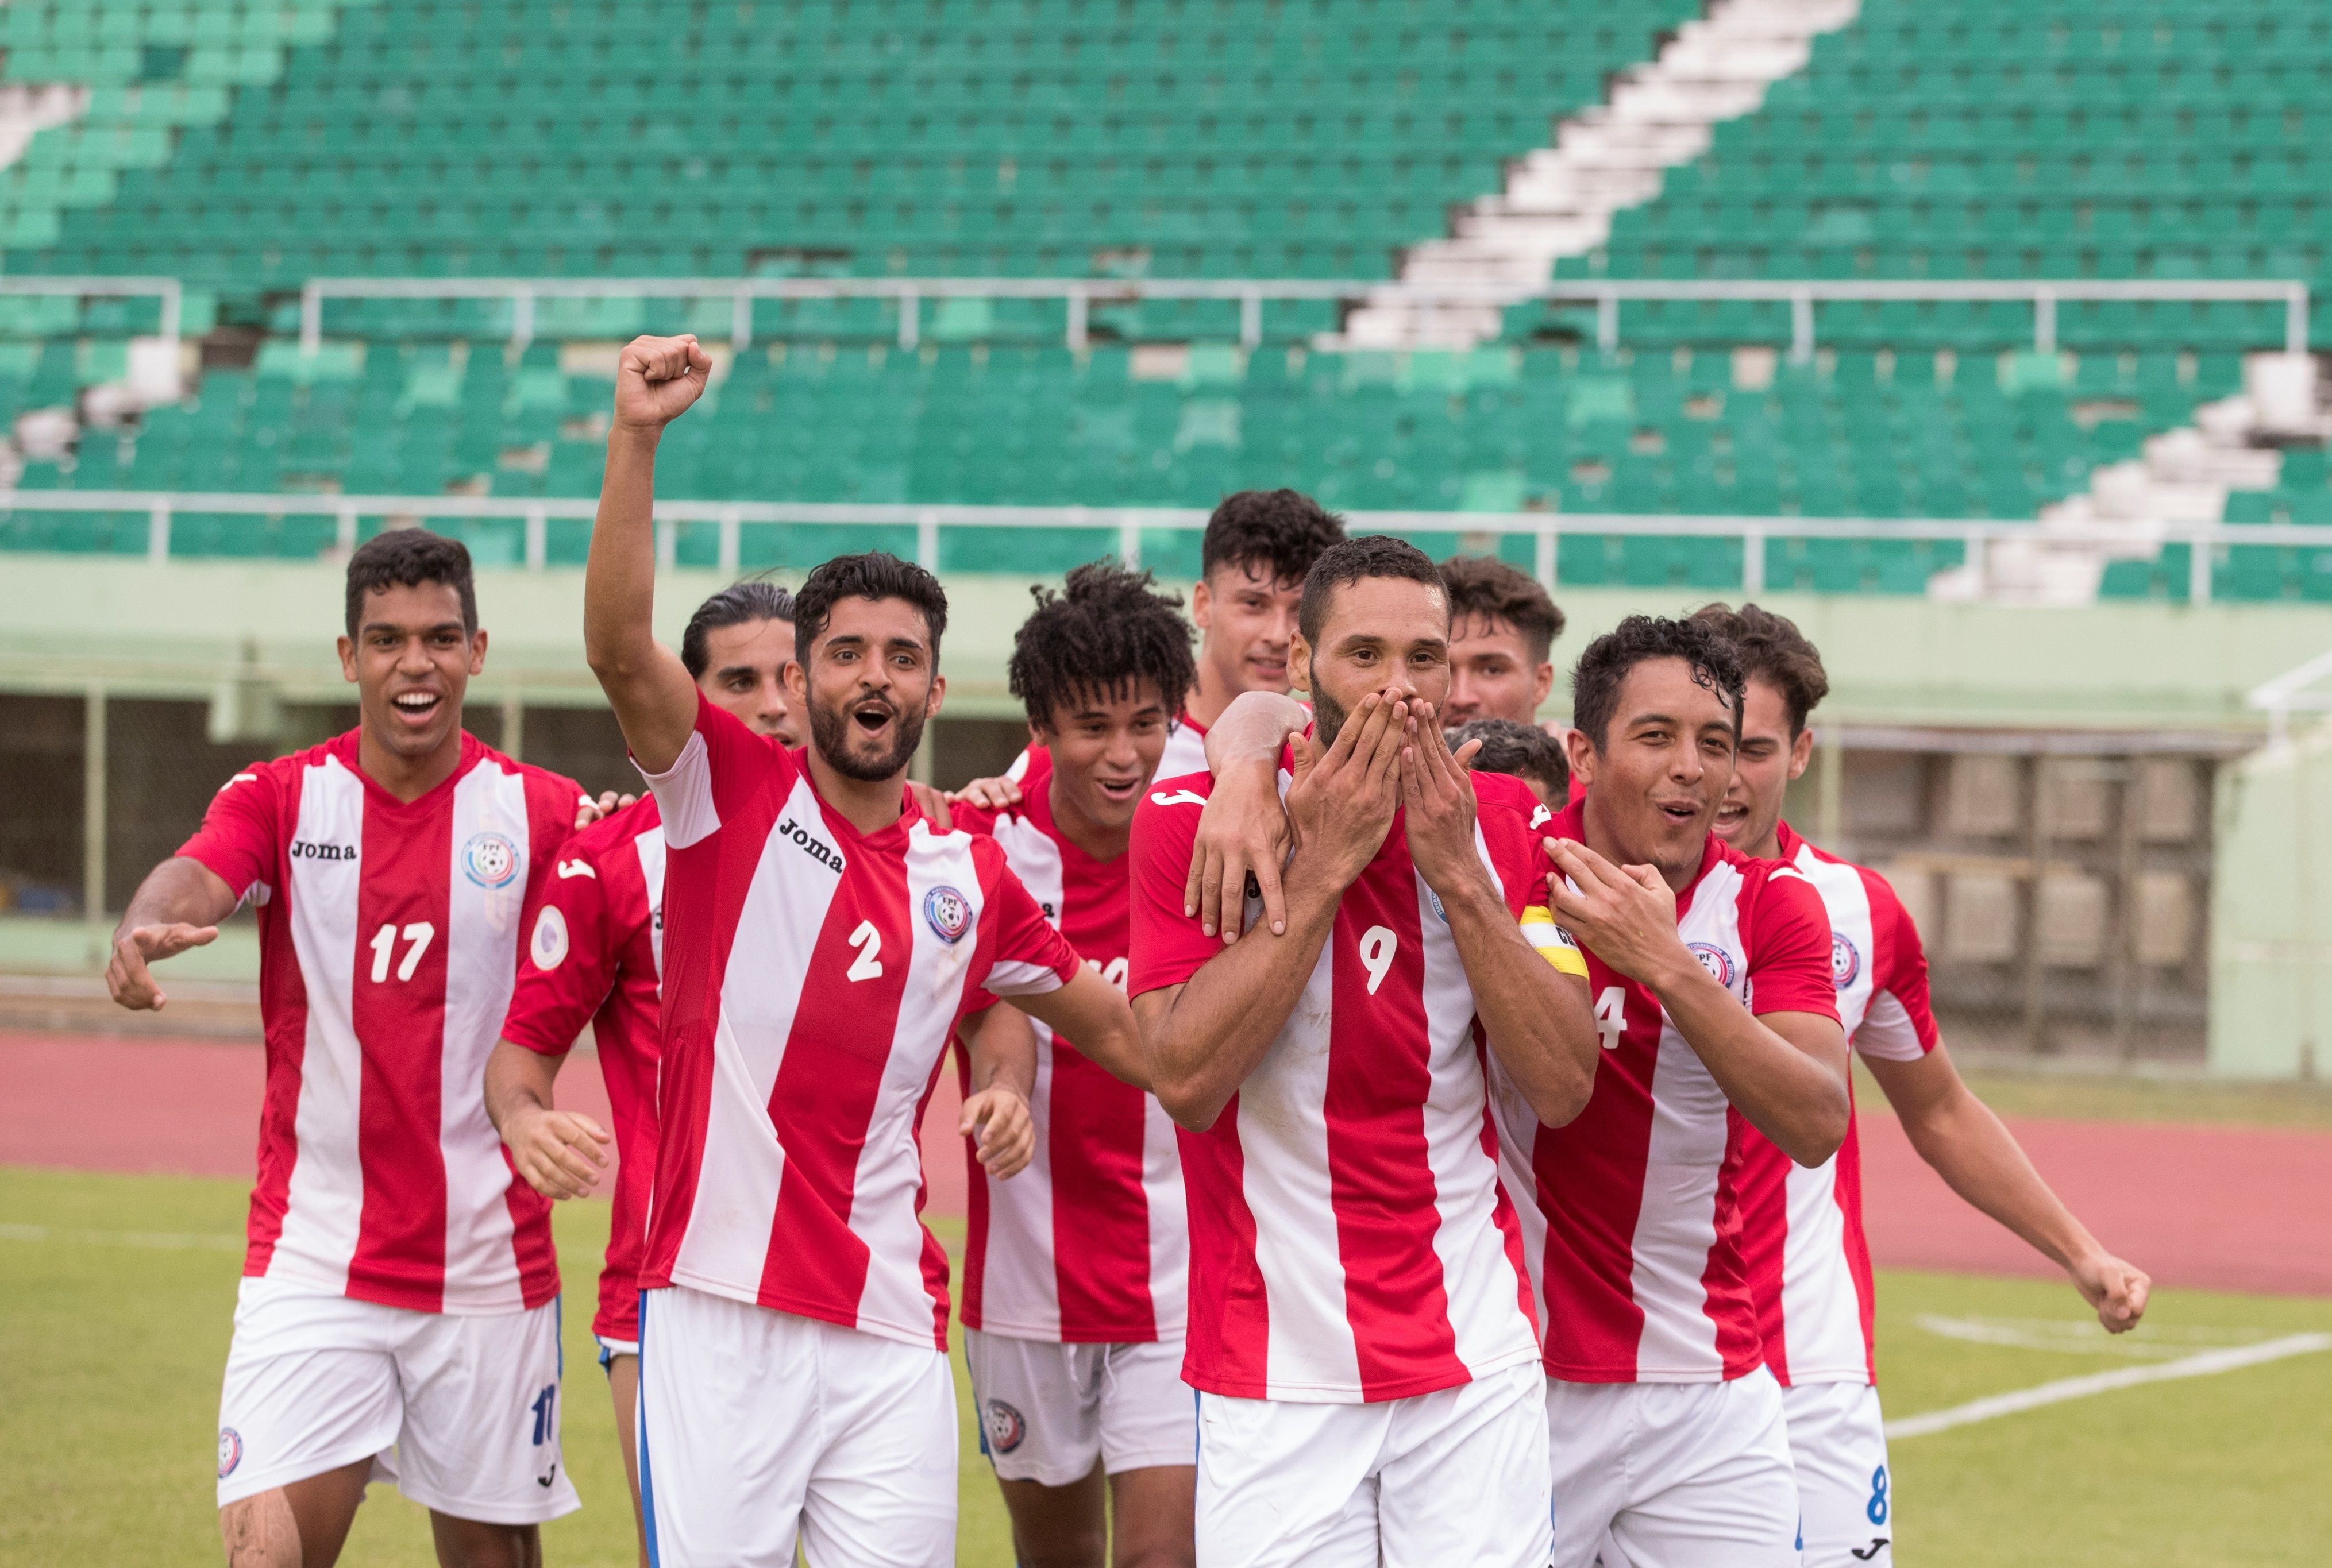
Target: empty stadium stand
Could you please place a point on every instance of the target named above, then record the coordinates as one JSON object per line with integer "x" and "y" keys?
{"x": 247, "y": 149}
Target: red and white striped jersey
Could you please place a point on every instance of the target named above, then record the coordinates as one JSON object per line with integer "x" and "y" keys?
{"x": 1186, "y": 752}
{"x": 595, "y": 947}
{"x": 813, "y": 976}
{"x": 1350, "y": 1238}
{"x": 1634, "y": 1234}
{"x": 389, "y": 937}
{"x": 1089, "y": 1244}
{"x": 1802, "y": 1230}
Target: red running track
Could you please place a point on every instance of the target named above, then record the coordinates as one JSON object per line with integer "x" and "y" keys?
{"x": 2204, "y": 1207}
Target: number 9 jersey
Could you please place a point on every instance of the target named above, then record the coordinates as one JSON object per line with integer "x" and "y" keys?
{"x": 390, "y": 938}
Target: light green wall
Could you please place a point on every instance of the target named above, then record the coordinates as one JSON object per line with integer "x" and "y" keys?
{"x": 2272, "y": 912}
{"x": 176, "y": 629}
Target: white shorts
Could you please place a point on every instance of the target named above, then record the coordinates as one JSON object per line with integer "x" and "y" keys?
{"x": 1839, "y": 1444}
{"x": 759, "y": 1427}
{"x": 1048, "y": 1411}
{"x": 1455, "y": 1475}
{"x": 1676, "y": 1475}
{"x": 462, "y": 1412}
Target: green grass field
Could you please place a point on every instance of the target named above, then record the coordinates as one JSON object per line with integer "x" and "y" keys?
{"x": 117, "y": 1293}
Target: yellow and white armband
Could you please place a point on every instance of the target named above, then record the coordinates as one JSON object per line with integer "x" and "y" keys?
{"x": 1552, "y": 943}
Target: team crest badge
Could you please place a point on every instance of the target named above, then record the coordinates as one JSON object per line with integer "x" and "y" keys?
{"x": 230, "y": 1451}
{"x": 1845, "y": 961}
{"x": 1715, "y": 960}
{"x": 549, "y": 946}
{"x": 490, "y": 860}
{"x": 949, "y": 915}
{"x": 1005, "y": 1427}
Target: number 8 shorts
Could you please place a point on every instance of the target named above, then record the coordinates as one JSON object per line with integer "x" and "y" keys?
{"x": 461, "y": 1412}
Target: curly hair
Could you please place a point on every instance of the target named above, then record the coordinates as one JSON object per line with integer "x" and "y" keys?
{"x": 1772, "y": 649}
{"x": 1281, "y": 532}
{"x": 1603, "y": 668}
{"x": 1353, "y": 561}
{"x": 735, "y": 605}
{"x": 1524, "y": 750}
{"x": 873, "y": 575}
{"x": 1102, "y": 636}
{"x": 1486, "y": 587}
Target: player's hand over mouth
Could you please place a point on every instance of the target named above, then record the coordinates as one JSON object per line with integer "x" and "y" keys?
{"x": 126, "y": 975}
{"x": 1625, "y": 915}
{"x": 561, "y": 1154}
{"x": 1341, "y": 801}
{"x": 997, "y": 1118}
{"x": 1438, "y": 798}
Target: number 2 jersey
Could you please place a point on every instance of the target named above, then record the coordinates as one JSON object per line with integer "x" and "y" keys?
{"x": 595, "y": 948}
{"x": 390, "y": 938}
{"x": 812, "y": 977}
{"x": 1632, "y": 1211}
{"x": 1802, "y": 1230}
{"x": 1089, "y": 1244}
{"x": 1351, "y": 1241}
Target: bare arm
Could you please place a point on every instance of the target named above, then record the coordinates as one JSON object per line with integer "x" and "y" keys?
{"x": 559, "y": 1154}
{"x": 1206, "y": 1035}
{"x": 1980, "y": 1158}
{"x": 1001, "y": 1049}
{"x": 646, "y": 684}
{"x": 1784, "y": 1071}
{"x": 1537, "y": 1020}
{"x": 1092, "y": 1014}
{"x": 178, "y": 905}
{"x": 1243, "y": 831}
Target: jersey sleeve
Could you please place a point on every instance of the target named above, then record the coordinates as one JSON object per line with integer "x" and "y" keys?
{"x": 571, "y": 958}
{"x": 1166, "y": 946}
{"x": 1789, "y": 957}
{"x": 241, "y": 833}
{"x": 714, "y": 772}
{"x": 1029, "y": 957}
{"x": 1898, "y": 1024}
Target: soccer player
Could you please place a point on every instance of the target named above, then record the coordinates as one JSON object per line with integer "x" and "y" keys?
{"x": 1522, "y": 750}
{"x": 1074, "y": 1270}
{"x": 1360, "y": 1325}
{"x": 1711, "y": 979}
{"x": 1501, "y": 625}
{"x": 596, "y": 932}
{"x": 1801, "y": 1226}
{"x": 399, "y": 1312}
{"x": 821, "y": 943}
{"x": 1258, "y": 547}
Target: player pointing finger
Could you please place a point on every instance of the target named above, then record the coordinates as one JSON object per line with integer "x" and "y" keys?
{"x": 126, "y": 975}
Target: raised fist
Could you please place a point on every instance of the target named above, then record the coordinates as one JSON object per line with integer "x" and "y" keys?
{"x": 657, "y": 379}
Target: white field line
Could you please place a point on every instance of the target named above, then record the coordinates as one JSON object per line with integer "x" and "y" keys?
{"x": 2207, "y": 1363}
{"x": 168, "y": 1240}
{"x": 2087, "y": 1337}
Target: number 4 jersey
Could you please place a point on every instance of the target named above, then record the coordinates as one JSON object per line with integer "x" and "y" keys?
{"x": 812, "y": 976}
{"x": 390, "y": 937}
{"x": 1633, "y": 1220}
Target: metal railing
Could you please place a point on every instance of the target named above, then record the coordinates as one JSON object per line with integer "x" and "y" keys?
{"x": 1080, "y": 294}
{"x": 2299, "y": 689}
{"x": 169, "y": 291}
{"x": 1130, "y": 523}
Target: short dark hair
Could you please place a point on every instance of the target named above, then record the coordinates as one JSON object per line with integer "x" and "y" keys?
{"x": 1281, "y": 531}
{"x": 1596, "y": 679}
{"x": 871, "y": 574}
{"x": 1773, "y": 649}
{"x": 1524, "y": 750}
{"x": 1487, "y": 587}
{"x": 407, "y": 559}
{"x": 1368, "y": 555}
{"x": 735, "y": 605}
{"x": 1100, "y": 635}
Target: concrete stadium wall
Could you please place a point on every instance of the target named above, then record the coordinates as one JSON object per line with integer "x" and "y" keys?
{"x": 2272, "y": 912}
